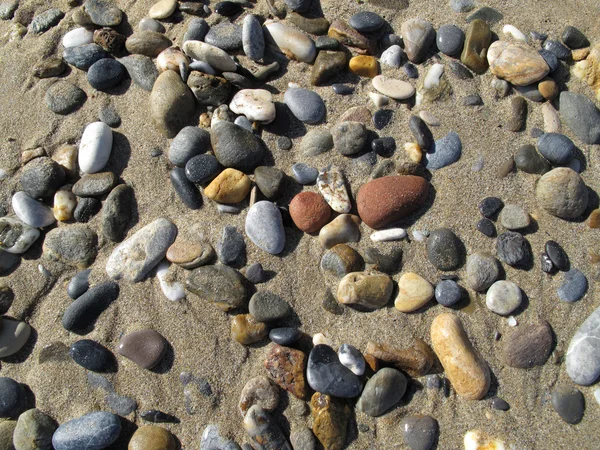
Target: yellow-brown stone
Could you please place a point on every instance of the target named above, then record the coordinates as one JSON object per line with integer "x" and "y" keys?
{"x": 588, "y": 70}
{"x": 247, "y": 330}
{"x": 414, "y": 291}
{"x": 151, "y": 437}
{"x": 230, "y": 186}
{"x": 415, "y": 361}
{"x": 371, "y": 291}
{"x": 364, "y": 66}
{"x": 330, "y": 420}
{"x": 548, "y": 88}
{"x": 594, "y": 219}
{"x": 516, "y": 63}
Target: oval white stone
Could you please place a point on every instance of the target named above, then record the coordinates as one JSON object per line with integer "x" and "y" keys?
{"x": 396, "y": 89}
{"x": 77, "y": 37}
{"x": 32, "y": 212}
{"x": 214, "y": 56}
{"x": 173, "y": 290}
{"x": 293, "y": 43}
{"x": 503, "y": 297}
{"x": 392, "y": 234}
{"x": 95, "y": 147}
{"x": 256, "y": 104}
{"x": 162, "y": 9}
{"x": 513, "y": 31}
{"x": 378, "y": 99}
{"x": 432, "y": 79}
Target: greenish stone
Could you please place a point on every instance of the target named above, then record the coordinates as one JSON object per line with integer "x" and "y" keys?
{"x": 327, "y": 66}
{"x": 477, "y": 42}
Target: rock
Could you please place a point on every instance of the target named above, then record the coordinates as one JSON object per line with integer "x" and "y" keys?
{"x": 141, "y": 70}
{"x": 307, "y": 106}
{"x": 116, "y": 212}
{"x": 569, "y": 403}
{"x": 148, "y": 24}
{"x": 392, "y": 56}
{"x": 147, "y": 43}
{"x": 342, "y": 229}
{"x": 420, "y": 432}
{"x": 136, "y": 256}
{"x": 264, "y": 227}
{"x": 331, "y": 185}
{"x": 286, "y": 368}
{"x": 74, "y": 246}
{"x": 461, "y": 6}
{"x": 573, "y": 38}
{"x": 105, "y": 74}
{"x": 477, "y": 42}
{"x": 41, "y": 177}
{"x": 364, "y": 66}
{"x": 151, "y": 437}
{"x": 220, "y": 285}
{"x": 573, "y": 287}
{"x": 83, "y": 56}
{"x": 255, "y": 274}
{"x": 529, "y": 345}
{"x": 196, "y": 30}
{"x": 256, "y": 104}
{"x": 503, "y": 297}
{"x": 94, "y": 185}
{"x": 330, "y": 420}
{"x": 303, "y": 439}
{"x": 490, "y": 15}
{"x": 86, "y": 208}
{"x": 12, "y": 398}
{"x": 95, "y": 147}
{"x": 13, "y": 336}
{"x": 201, "y": 169}
{"x": 486, "y": 227}
{"x": 304, "y": 174}
{"x": 231, "y": 248}
{"x": 557, "y": 255}
{"x": 396, "y": 89}
{"x": 189, "y": 142}
{"x": 476, "y": 439}
{"x": 450, "y": 39}
{"x": 518, "y": 64}
{"x": 309, "y": 211}
{"x": 371, "y": 291}
{"x": 171, "y": 103}
{"x": 582, "y": 357}
{"x": 186, "y": 190}
{"x": 15, "y": 236}
{"x": 383, "y": 391}
{"x": 444, "y": 249}
{"x": 269, "y": 180}
{"x": 92, "y": 356}
{"x": 500, "y": 404}
{"x": 162, "y": 9}
{"x": 518, "y": 117}
{"x": 316, "y": 142}
{"x": 349, "y": 138}
{"x": 448, "y": 293}
{"x": 562, "y": 193}
{"x": 146, "y": 348}
{"x": 341, "y": 260}
{"x": 258, "y": 391}
{"x": 366, "y": 22}
{"x": 64, "y": 98}
{"x": 214, "y": 56}
{"x": 190, "y": 255}
{"x": 7, "y": 10}
{"x": 482, "y": 271}
{"x": 384, "y": 146}
{"x": 513, "y": 249}
{"x": 556, "y": 148}
{"x": 110, "y": 40}
{"x": 46, "y": 20}
{"x": 228, "y": 8}
{"x": 418, "y": 37}
{"x": 293, "y": 43}
{"x": 266, "y": 306}
{"x": 514, "y": 217}
{"x": 263, "y": 430}
{"x": 352, "y": 358}
{"x": 236, "y": 147}
{"x": 326, "y": 375}
{"x": 246, "y": 330}
{"x": 32, "y": 212}
{"x": 7, "y": 297}
{"x": 98, "y": 429}
{"x": 529, "y": 160}
{"x": 212, "y": 440}
{"x": 34, "y": 431}
{"x": 548, "y": 88}
{"x": 253, "y": 39}
{"x": 421, "y": 132}
{"x": 357, "y": 114}
{"x": 225, "y": 35}
{"x": 557, "y": 49}
{"x": 413, "y": 292}
{"x": 84, "y": 311}
{"x": 103, "y": 13}
{"x": 463, "y": 365}
{"x": 581, "y": 115}
{"x": 327, "y": 66}
{"x": 348, "y": 36}
{"x": 444, "y": 152}
{"x": 110, "y": 116}
{"x": 386, "y": 200}
{"x": 415, "y": 361}
{"x": 50, "y": 67}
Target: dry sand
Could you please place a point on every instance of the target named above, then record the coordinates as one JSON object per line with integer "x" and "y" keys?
{"x": 199, "y": 332}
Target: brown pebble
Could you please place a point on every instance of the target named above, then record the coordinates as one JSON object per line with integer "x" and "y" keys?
{"x": 330, "y": 420}
{"x": 529, "y": 345}
{"x": 518, "y": 115}
{"x": 357, "y": 114}
{"x": 415, "y": 361}
{"x": 247, "y": 330}
{"x": 580, "y": 54}
{"x": 146, "y": 348}
{"x": 594, "y": 219}
{"x": 548, "y": 88}
{"x": 286, "y": 367}
{"x": 151, "y": 437}
{"x": 348, "y": 36}
{"x": 309, "y": 211}
{"x": 190, "y": 255}
{"x": 506, "y": 168}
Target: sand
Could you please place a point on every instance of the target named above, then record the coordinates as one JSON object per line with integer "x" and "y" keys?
{"x": 199, "y": 332}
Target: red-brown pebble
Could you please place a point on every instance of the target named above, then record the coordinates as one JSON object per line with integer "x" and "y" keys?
{"x": 388, "y": 199}
{"x": 309, "y": 211}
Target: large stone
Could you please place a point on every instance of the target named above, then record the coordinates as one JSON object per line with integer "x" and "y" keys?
{"x": 264, "y": 227}
{"x": 34, "y": 431}
{"x": 221, "y": 285}
{"x": 286, "y": 367}
{"x": 264, "y": 431}
{"x": 371, "y": 291}
{"x": 529, "y": 345}
{"x": 172, "y": 104}
{"x": 562, "y": 193}
{"x": 583, "y": 354}
{"x": 14, "y": 335}
{"x": 477, "y": 42}
{"x": 94, "y": 431}
{"x": 581, "y": 115}
{"x": 74, "y": 245}
{"x": 330, "y": 420}
{"x": 516, "y": 63}
{"x": 383, "y": 391}
{"x": 418, "y": 35}
{"x": 236, "y": 147}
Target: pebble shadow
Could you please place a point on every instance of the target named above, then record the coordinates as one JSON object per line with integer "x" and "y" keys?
{"x": 127, "y": 430}
{"x": 120, "y": 154}
{"x": 167, "y": 362}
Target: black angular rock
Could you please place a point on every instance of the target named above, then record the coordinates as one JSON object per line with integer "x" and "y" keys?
{"x": 381, "y": 118}
{"x": 326, "y": 374}
{"x": 421, "y": 132}
{"x": 92, "y": 356}
{"x": 486, "y": 227}
{"x": 569, "y": 403}
{"x": 186, "y": 190}
{"x": 84, "y": 311}
{"x": 79, "y": 284}
{"x": 557, "y": 49}
{"x": 490, "y": 206}
{"x": 156, "y": 416}
{"x": 573, "y": 38}
{"x": 557, "y": 255}
{"x": 41, "y": 177}
{"x": 231, "y": 248}
{"x": 384, "y": 146}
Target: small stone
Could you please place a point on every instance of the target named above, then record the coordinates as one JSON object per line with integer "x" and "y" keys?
{"x": 105, "y": 74}
{"x": 513, "y": 249}
{"x": 421, "y": 132}
{"x": 556, "y": 148}
{"x": 415, "y": 361}
{"x": 255, "y": 273}
{"x": 285, "y": 336}
{"x": 384, "y": 146}
{"x": 371, "y": 291}
{"x": 141, "y": 70}
{"x": 264, "y": 227}
{"x": 342, "y": 229}
{"x": 486, "y": 227}
{"x": 418, "y": 37}
{"x": 348, "y": 36}
{"x": 253, "y": 40}
{"x": 330, "y": 420}
{"x": 64, "y": 98}
{"x": 186, "y": 190}
{"x": 228, "y": 8}
{"x": 307, "y": 106}
{"x": 226, "y": 36}
{"x": 189, "y": 142}
{"x": 573, "y": 38}
{"x": 506, "y": 168}
{"x": 309, "y": 211}
{"x": 94, "y": 430}
{"x": 489, "y": 206}
{"x": 146, "y": 348}
{"x": 304, "y": 174}
{"x": 582, "y": 361}
{"x": 322, "y": 42}
{"x": 236, "y": 147}
{"x": 110, "y": 116}
{"x": 581, "y": 115}
{"x": 364, "y": 66}
{"x": 303, "y": 439}
{"x": 573, "y": 287}
{"x": 444, "y": 152}
{"x": 230, "y": 186}
{"x": 529, "y": 160}
{"x": 46, "y": 20}
{"x": 503, "y": 297}
{"x": 477, "y": 42}
{"x": 557, "y": 255}
{"x": 396, "y": 89}
{"x": 12, "y": 398}
{"x": 214, "y": 56}
{"x": 562, "y": 193}
{"x": 103, "y": 13}
{"x": 218, "y": 284}
{"x": 461, "y": 6}
{"x": 246, "y": 330}
{"x": 95, "y": 184}
{"x": 325, "y": 374}
{"x": 482, "y": 271}
{"x": 116, "y": 212}
{"x": 327, "y": 66}
{"x": 528, "y": 346}
{"x": 50, "y": 67}
{"x": 444, "y": 249}
{"x": 286, "y": 368}
{"x": 448, "y": 293}
{"x": 331, "y": 185}
{"x": 156, "y": 416}
{"x": 352, "y": 358}
{"x": 84, "y": 311}
{"x": 514, "y": 217}
{"x": 366, "y": 22}
{"x": 341, "y": 260}
{"x": 594, "y": 219}
{"x": 171, "y": 103}
{"x": 450, "y": 39}
{"x": 92, "y": 356}
{"x": 32, "y": 212}
{"x": 392, "y": 56}
{"x": 410, "y": 70}
{"x": 383, "y": 391}
{"x": 557, "y": 49}
{"x": 151, "y": 437}
{"x": 269, "y": 180}
{"x": 420, "y": 432}
{"x": 147, "y": 43}
{"x": 266, "y": 306}
{"x": 414, "y": 292}
{"x": 34, "y": 431}
{"x": 518, "y": 117}
{"x": 190, "y": 255}
{"x": 258, "y": 391}
{"x": 86, "y": 209}
{"x": 148, "y": 24}
{"x": 569, "y": 403}
{"x": 263, "y": 430}
{"x": 499, "y": 404}
{"x": 292, "y": 42}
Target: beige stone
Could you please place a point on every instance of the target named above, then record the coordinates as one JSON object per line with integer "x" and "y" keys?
{"x": 151, "y": 437}
{"x": 413, "y": 151}
{"x": 516, "y": 63}
{"x": 371, "y": 291}
{"x": 414, "y": 292}
{"x": 342, "y": 229}
{"x": 588, "y": 70}
{"x": 230, "y": 186}
{"x": 162, "y": 9}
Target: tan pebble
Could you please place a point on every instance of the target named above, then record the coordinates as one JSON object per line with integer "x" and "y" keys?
{"x": 64, "y": 204}
{"x": 415, "y": 361}
{"x": 286, "y": 367}
{"x": 342, "y": 229}
{"x": 190, "y": 255}
{"x": 594, "y": 219}
{"x": 548, "y": 88}
{"x": 414, "y": 292}
{"x": 330, "y": 420}
{"x": 258, "y": 391}
{"x": 152, "y": 437}
{"x": 588, "y": 70}
{"x": 414, "y": 152}
{"x": 430, "y": 119}
{"x": 551, "y": 119}
{"x": 463, "y": 365}
{"x": 580, "y": 54}
{"x": 320, "y": 338}
{"x": 28, "y": 155}
{"x": 357, "y": 114}
{"x": 364, "y": 66}
{"x": 370, "y": 291}
{"x": 204, "y": 120}
{"x": 247, "y": 330}
{"x": 172, "y": 58}
{"x": 518, "y": 64}
{"x": 66, "y": 157}
{"x": 162, "y": 9}
{"x": 230, "y": 186}
{"x": 506, "y": 168}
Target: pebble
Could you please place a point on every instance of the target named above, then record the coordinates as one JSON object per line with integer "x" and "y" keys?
{"x": 95, "y": 430}
{"x": 228, "y": 8}
{"x": 418, "y": 36}
{"x": 382, "y": 118}
{"x": 103, "y": 13}
{"x": 141, "y": 70}
{"x": 105, "y": 74}
{"x": 529, "y": 160}
{"x": 12, "y": 398}
{"x": 513, "y": 249}
{"x": 348, "y": 36}
{"x": 557, "y": 49}
{"x": 489, "y": 206}
{"x": 246, "y": 330}
{"x": 83, "y": 56}
{"x": 231, "y": 248}
{"x": 573, "y": 287}
{"x": 372, "y": 291}
{"x": 147, "y": 43}
{"x": 148, "y": 24}
{"x": 156, "y": 416}
{"x": 486, "y": 227}
{"x": 581, "y": 115}
{"x": 391, "y": 234}
{"x": 146, "y": 348}
{"x": 263, "y": 430}
{"x": 562, "y": 193}
{"x": 309, "y": 211}
{"x": 379, "y": 100}
{"x": 269, "y": 180}
{"x": 190, "y": 255}
{"x": 64, "y": 98}
{"x": 50, "y": 67}
{"x": 463, "y": 365}
{"x": 86, "y": 209}
{"x": 392, "y": 56}
{"x": 444, "y": 152}
{"x": 32, "y": 212}
{"x": 574, "y": 38}
{"x": 171, "y": 103}
{"x": 349, "y": 138}
{"x": 74, "y": 246}
{"x": 364, "y": 66}
{"x": 95, "y": 147}
{"x": 499, "y": 404}
{"x": 15, "y": 236}
{"x": 383, "y": 391}
{"x": 327, "y": 66}
{"x": 341, "y": 260}
{"x": 110, "y": 116}
{"x": 514, "y": 217}
{"x": 472, "y": 100}
{"x": 330, "y": 182}
{"x": 477, "y": 43}
{"x": 172, "y": 289}
{"x": 34, "y": 431}
{"x": 84, "y": 311}
{"x": 304, "y": 439}
{"x": 518, "y": 64}
{"x": 162, "y": 9}
{"x": 477, "y": 440}
{"x": 582, "y": 357}
{"x": 255, "y": 273}
{"x": 256, "y": 104}
{"x": 258, "y": 391}
{"x": 448, "y": 293}
{"x": 316, "y": 142}
{"x": 444, "y": 249}
{"x": 503, "y": 297}
{"x": 366, "y": 22}
{"x": 352, "y": 358}
{"x": 236, "y": 147}
{"x": 342, "y": 89}
{"x": 343, "y": 228}
{"x": 450, "y": 40}
{"x": 307, "y": 106}
{"x": 284, "y": 336}
{"x": 557, "y": 255}
{"x": 413, "y": 292}
{"x": 94, "y": 184}
{"x": 421, "y": 132}
{"x": 78, "y": 36}
{"x": 386, "y": 200}
{"x": 46, "y": 20}
{"x": 482, "y": 271}
{"x": 189, "y": 142}
{"x": 556, "y": 148}
{"x": 218, "y": 284}
{"x": 393, "y": 88}
{"x": 264, "y": 227}
{"x": 327, "y": 375}
{"x": 461, "y": 6}
{"x": 151, "y": 437}
{"x": 196, "y": 30}
{"x": 266, "y": 306}
{"x": 226, "y": 36}
{"x": 286, "y": 368}
{"x": 136, "y": 256}
{"x": 93, "y": 356}
{"x": 186, "y": 190}
{"x": 384, "y": 146}
{"x": 528, "y": 346}
{"x": 292, "y": 42}
{"x": 116, "y": 212}
{"x": 214, "y": 56}
{"x": 410, "y": 70}
{"x": 569, "y": 403}
{"x": 518, "y": 116}
{"x": 420, "y": 432}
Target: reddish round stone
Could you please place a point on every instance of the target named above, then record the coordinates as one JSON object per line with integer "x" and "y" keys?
{"x": 388, "y": 199}
{"x": 309, "y": 211}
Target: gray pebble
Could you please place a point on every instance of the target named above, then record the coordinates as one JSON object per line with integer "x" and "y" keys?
{"x": 95, "y": 430}
{"x": 383, "y": 391}
{"x": 462, "y": 6}
{"x": 366, "y": 22}
{"x": 266, "y": 306}
{"x": 581, "y": 115}
{"x": 298, "y": 5}
{"x": 141, "y": 70}
{"x": 529, "y": 160}
{"x": 46, "y": 20}
{"x": 556, "y": 148}
{"x": 514, "y": 217}
{"x": 304, "y": 174}
{"x": 83, "y": 56}
{"x": 569, "y": 403}
{"x": 482, "y": 271}
{"x": 196, "y": 31}
{"x": 349, "y": 138}
{"x": 444, "y": 249}
{"x": 226, "y": 36}
{"x": 116, "y": 212}
{"x": 573, "y": 287}
{"x": 446, "y": 151}
{"x": 105, "y": 74}
{"x": 269, "y": 180}
{"x": 231, "y": 248}
{"x": 41, "y": 177}
{"x": 392, "y": 56}
{"x": 448, "y": 292}
{"x": 148, "y": 24}
{"x": 110, "y": 116}
{"x": 316, "y": 142}
{"x": 450, "y": 39}
{"x": 34, "y": 431}
{"x": 284, "y": 143}
{"x": 64, "y": 98}
{"x": 202, "y": 168}
{"x": 236, "y": 147}
{"x": 79, "y": 284}
{"x": 513, "y": 249}
{"x": 557, "y": 49}
{"x": 307, "y": 106}
{"x": 86, "y": 208}
{"x": 253, "y": 40}
{"x": 189, "y": 142}
{"x": 420, "y": 432}
{"x": 255, "y": 273}
{"x": 326, "y": 43}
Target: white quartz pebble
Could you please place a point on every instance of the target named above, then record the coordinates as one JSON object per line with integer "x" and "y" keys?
{"x": 77, "y": 37}
{"x": 513, "y": 31}
{"x": 172, "y": 289}
{"x": 256, "y": 104}
{"x": 396, "y": 89}
{"x": 95, "y": 147}
{"x": 392, "y": 234}
{"x": 30, "y": 211}
{"x": 291, "y": 41}
{"x": 217, "y": 58}
{"x": 378, "y": 99}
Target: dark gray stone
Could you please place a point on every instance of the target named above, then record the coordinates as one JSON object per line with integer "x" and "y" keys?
{"x": 460, "y": 71}
{"x": 93, "y": 431}
{"x": 186, "y": 190}
{"x": 472, "y": 100}
{"x": 366, "y": 22}
{"x": 196, "y": 30}
{"x": 500, "y": 404}
{"x": 226, "y": 36}
{"x": 557, "y": 49}
{"x": 557, "y": 255}
{"x": 202, "y": 168}
{"x": 389, "y": 263}
{"x": 305, "y": 174}
{"x": 255, "y": 273}
{"x": 84, "y": 311}
{"x": 410, "y": 70}
{"x": 79, "y": 284}
{"x": 420, "y": 432}
{"x": 550, "y": 59}
{"x": 94, "y": 184}
{"x": 75, "y": 245}
{"x": 450, "y": 39}
{"x": 421, "y": 132}
{"x": 486, "y": 227}
{"x": 83, "y": 56}
{"x": 573, "y": 287}
{"x": 189, "y": 142}
{"x": 581, "y": 115}
{"x": 384, "y": 146}
{"x": 231, "y": 248}
{"x": 116, "y": 213}
{"x": 383, "y": 391}
{"x": 266, "y": 306}
{"x": 569, "y": 403}
{"x": 381, "y": 118}
{"x": 326, "y": 374}
{"x": 285, "y": 336}
{"x": 93, "y": 356}
{"x": 448, "y": 292}
{"x": 444, "y": 249}
{"x": 513, "y": 249}
{"x": 105, "y": 74}
{"x": 64, "y": 98}
{"x": 573, "y": 38}
{"x": 556, "y": 148}
{"x": 236, "y": 147}
{"x": 12, "y": 398}
{"x": 103, "y": 12}
{"x": 298, "y": 5}
{"x": 269, "y": 180}
{"x": 307, "y": 106}
{"x": 349, "y": 138}
{"x": 86, "y": 208}
{"x": 141, "y": 70}
{"x": 529, "y": 160}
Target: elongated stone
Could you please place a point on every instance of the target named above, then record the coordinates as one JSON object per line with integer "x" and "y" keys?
{"x": 264, "y": 227}
{"x": 293, "y": 43}
{"x": 326, "y": 374}
{"x": 93, "y": 431}
{"x": 264, "y": 432}
{"x": 516, "y": 63}
{"x": 331, "y": 185}
{"x": 370, "y": 291}
{"x": 221, "y": 285}
{"x": 217, "y": 58}
{"x": 14, "y": 335}
{"x": 583, "y": 354}
{"x": 84, "y": 311}
{"x": 477, "y": 42}
{"x": 383, "y": 391}
{"x": 330, "y": 420}
{"x": 171, "y": 103}
{"x": 95, "y": 147}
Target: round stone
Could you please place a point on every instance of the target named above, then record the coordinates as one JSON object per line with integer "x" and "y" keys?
{"x": 34, "y": 431}
{"x": 489, "y": 206}
{"x": 392, "y": 56}
{"x": 92, "y": 356}
{"x": 152, "y": 437}
{"x": 556, "y": 148}
{"x": 383, "y": 391}
{"x": 450, "y": 39}
{"x": 202, "y": 168}
{"x": 264, "y": 227}
{"x": 316, "y": 142}
{"x": 562, "y": 193}
{"x": 304, "y": 174}
{"x": 236, "y": 147}
{"x": 529, "y": 160}
{"x": 349, "y": 138}
{"x": 557, "y": 255}
{"x": 420, "y": 432}
{"x": 569, "y": 403}
{"x": 384, "y": 146}
{"x": 258, "y": 391}
{"x": 95, "y": 430}
{"x": 503, "y": 297}
{"x": 513, "y": 249}
{"x": 64, "y": 98}
{"x": 486, "y": 227}
{"x": 444, "y": 249}
{"x": 309, "y": 211}
{"x": 230, "y": 186}
{"x": 218, "y": 284}
{"x": 514, "y": 217}
{"x": 482, "y": 271}
{"x": 448, "y": 292}
{"x": 12, "y": 398}
{"x": 414, "y": 292}
{"x": 528, "y": 346}
{"x": 341, "y": 259}
{"x": 573, "y": 287}
{"x": 285, "y": 336}
{"x": 366, "y": 22}
{"x": 148, "y": 24}
{"x": 268, "y": 307}
{"x": 418, "y": 35}
{"x": 41, "y": 177}
{"x": 307, "y": 106}
{"x": 75, "y": 246}
{"x": 352, "y": 358}
{"x": 255, "y": 273}
{"x": 146, "y": 348}
{"x": 105, "y": 74}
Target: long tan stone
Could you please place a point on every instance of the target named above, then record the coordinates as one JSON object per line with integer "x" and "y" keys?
{"x": 516, "y": 63}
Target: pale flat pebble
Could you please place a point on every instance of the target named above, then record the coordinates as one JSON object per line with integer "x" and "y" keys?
{"x": 396, "y": 89}
{"x": 78, "y": 36}
{"x": 514, "y": 32}
{"x": 95, "y": 147}
{"x": 292, "y": 42}
{"x": 173, "y": 290}
{"x": 392, "y": 234}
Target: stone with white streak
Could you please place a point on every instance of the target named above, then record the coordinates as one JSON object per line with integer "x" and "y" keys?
{"x": 331, "y": 185}
{"x": 214, "y": 56}
{"x": 95, "y": 147}
{"x": 292, "y": 42}
{"x": 256, "y": 104}
{"x": 172, "y": 289}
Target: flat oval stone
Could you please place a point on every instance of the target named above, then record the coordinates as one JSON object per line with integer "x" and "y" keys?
{"x": 557, "y": 255}
{"x": 95, "y": 147}
{"x": 148, "y": 24}
{"x": 444, "y": 152}
{"x": 463, "y": 365}
{"x": 64, "y": 98}
{"x": 529, "y": 160}
{"x": 186, "y": 190}
{"x": 477, "y": 42}
{"x": 14, "y": 335}
{"x": 217, "y": 58}
{"x": 420, "y": 432}
{"x": 147, "y": 43}
{"x": 146, "y": 348}
{"x": 135, "y": 257}
{"x": 383, "y": 391}
{"x": 285, "y": 336}
{"x": 304, "y": 174}
{"x": 79, "y": 284}
{"x": 450, "y": 39}
{"x": 103, "y": 13}
{"x": 93, "y": 356}
{"x": 12, "y": 398}
{"x": 418, "y": 36}
{"x": 316, "y": 142}
{"x": 172, "y": 103}
{"x": 236, "y": 147}
{"x": 268, "y": 307}
{"x": 93, "y": 185}
{"x": 151, "y": 437}
{"x": 32, "y": 212}
{"x": 162, "y": 9}
{"x": 293, "y": 43}
{"x": 309, "y": 211}
{"x": 34, "y": 431}
{"x": 372, "y": 291}
{"x": 503, "y": 297}
{"x": 50, "y": 67}
{"x": 556, "y": 148}
{"x": 83, "y": 56}
{"x": 573, "y": 287}
{"x": 15, "y": 236}
{"x": 581, "y": 115}
{"x": 569, "y": 403}
{"x": 264, "y": 227}
{"x": 562, "y": 193}
{"x": 105, "y": 74}
{"x": 518, "y": 64}
{"x": 307, "y": 106}
{"x": 202, "y": 168}
{"x": 230, "y": 186}
{"x": 514, "y": 217}
{"x": 218, "y": 284}
{"x": 414, "y": 292}
{"x": 386, "y": 200}
{"x": 513, "y": 249}
{"x": 396, "y": 89}
{"x": 189, "y": 142}
{"x": 366, "y": 22}
{"x": 93, "y": 431}
{"x": 482, "y": 271}
{"x": 253, "y": 40}
{"x": 583, "y": 354}
{"x": 327, "y": 375}
{"x": 528, "y": 345}
{"x": 84, "y": 311}
{"x": 226, "y": 36}
{"x": 444, "y": 249}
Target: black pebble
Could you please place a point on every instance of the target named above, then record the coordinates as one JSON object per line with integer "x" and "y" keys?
{"x": 284, "y": 143}
{"x": 84, "y": 311}
{"x": 460, "y": 71}
{"x": 12, "y": 398}
{"x": 255, "y": 273}
{"x": 330, "y": 304}
{"x": 569, "y": 403}
{"x": 489, "y": 206}
{"x": 105, "y": 74}
{"x": 513, "y": 249}
{"x": 556, "y": 48}
{"x": 79, "y": 284}
{"x": 539, "y": 36}
{"x": 421, "y": 132}
{"x": 202, "y": 168}
{"x": 546, "y": 263}
{"x": 186, "y": 190}
{"x": 498, "y": 403}
{"x": 7, "y": 297}
{"x": 557, "y": 255}
{"x": 92, "y": 356}
{"x": 342, "y": 89}
{"x": 384, "y": 146}
{"x": 227, "y": 8}
{"x": 573, "y": 38}
{"x": 387, "y": 263}
{"x": 550, "y": 59}
{"x": 381, "y": 118}
{"x": 86, "y": 208}
{"x": 410, "y": 70}
{"x": 487, "y": 227}
{"x": 472, "y": 100}
{"x": 285, "y": 336}
{"x": 156, "y": 416}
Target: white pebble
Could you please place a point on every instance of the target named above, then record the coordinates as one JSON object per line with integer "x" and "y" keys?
{"x": 510, "y": 30}
{"x": 378, "y": 99}
{"x": 172, "y": 289}
{"x": 77, "y": 37}
{"x": 352, "y": 358}
{"x": 477, "y": 440}
{"x": 597, "y": 395}
{"x": 64, "y": 204}
{"x": 512, "y": 322}
{"x": 320, "y": 338}
{"x": 256, "y": 104}
{"x": 430, "y": 119}
{"x": 202, "y": 66}
{"x": 392, "y": 234}
{"x": 432, "y": 79}
{"x": 392, "y": 56}
{"x": 228, "y": 209}
{"x": 478, "y": 164}
{"x": 419, "y": 236}
{"x": 293, "y": 85}
{"x": 95, "y": 147}
{"x": 292, "y": 42}
{"x": 30, "y": 211}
